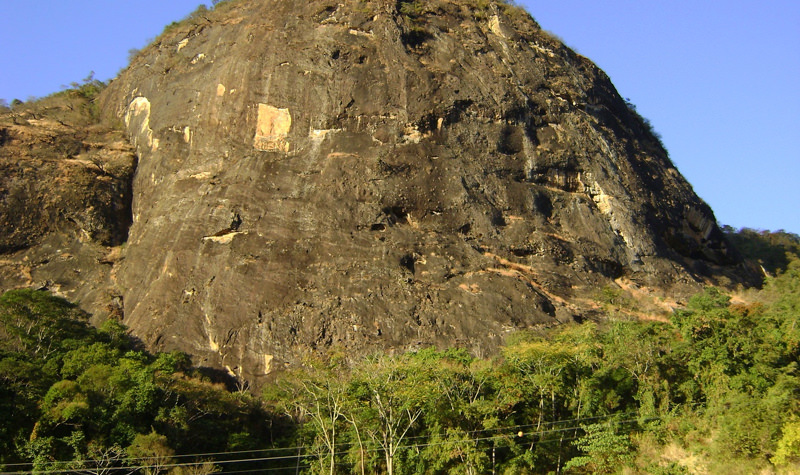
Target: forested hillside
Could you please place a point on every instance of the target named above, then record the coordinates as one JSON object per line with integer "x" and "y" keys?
{"x": 712, "y": 389}
{"x": 392, "y": 237}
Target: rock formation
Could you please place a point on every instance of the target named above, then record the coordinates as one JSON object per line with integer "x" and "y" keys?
{"x": 385, "y": 174}
{"x": 65, "y": 198}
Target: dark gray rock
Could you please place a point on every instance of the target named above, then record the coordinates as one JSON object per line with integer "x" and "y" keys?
{"x": 374, "y": 175}
{"x": 65, "y": 200}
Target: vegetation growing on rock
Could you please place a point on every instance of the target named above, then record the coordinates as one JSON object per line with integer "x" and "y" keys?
{"x": 772, "y": 250}
{"x": 501, "y": 192}
{"x": 71, "y": 392}
{"x": 714, "y": 390}
{"x": 65, "y": 197}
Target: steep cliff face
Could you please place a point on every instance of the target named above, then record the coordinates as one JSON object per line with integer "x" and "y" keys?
{"x": 385, "y": 174}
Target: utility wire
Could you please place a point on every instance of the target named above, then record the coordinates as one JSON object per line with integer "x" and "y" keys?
{"x": 296, "y": 457}
{"x": 255, "y": 451}
{"x": 134, "y": 459}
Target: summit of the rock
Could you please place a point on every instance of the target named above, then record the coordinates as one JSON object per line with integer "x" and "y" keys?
{"x": 385, "y": 174}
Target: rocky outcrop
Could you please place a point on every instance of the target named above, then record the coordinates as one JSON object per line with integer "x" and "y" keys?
{"x": 383, "y": 174}
{"x": 65, "y": 197}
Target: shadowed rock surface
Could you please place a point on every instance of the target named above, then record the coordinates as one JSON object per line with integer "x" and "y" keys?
{"x": 386, "y": 175}
{"x": 65, "y": 199}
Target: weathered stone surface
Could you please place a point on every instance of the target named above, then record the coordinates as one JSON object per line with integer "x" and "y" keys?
{"x": 65, "y": 202}
{"x": 341, "y": 173}
{"x": 55, "y": 177}
{"x": 272, "y": 128}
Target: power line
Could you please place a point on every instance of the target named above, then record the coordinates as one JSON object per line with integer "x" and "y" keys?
{"x": 279, "y": 449}
{"x": 299, "y": 456}
{"x": 134, "y": 459}
{"x": 165, "y": 465}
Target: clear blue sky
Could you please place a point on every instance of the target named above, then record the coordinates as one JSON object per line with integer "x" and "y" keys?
{"x": 719, "y": 80}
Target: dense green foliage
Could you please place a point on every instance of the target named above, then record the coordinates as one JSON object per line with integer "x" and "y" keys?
{"x": 715, "y": 389}
{"x": 770, "y": 249}
{"x": 71, "y": 392}
{"x": 720, "y": 381}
